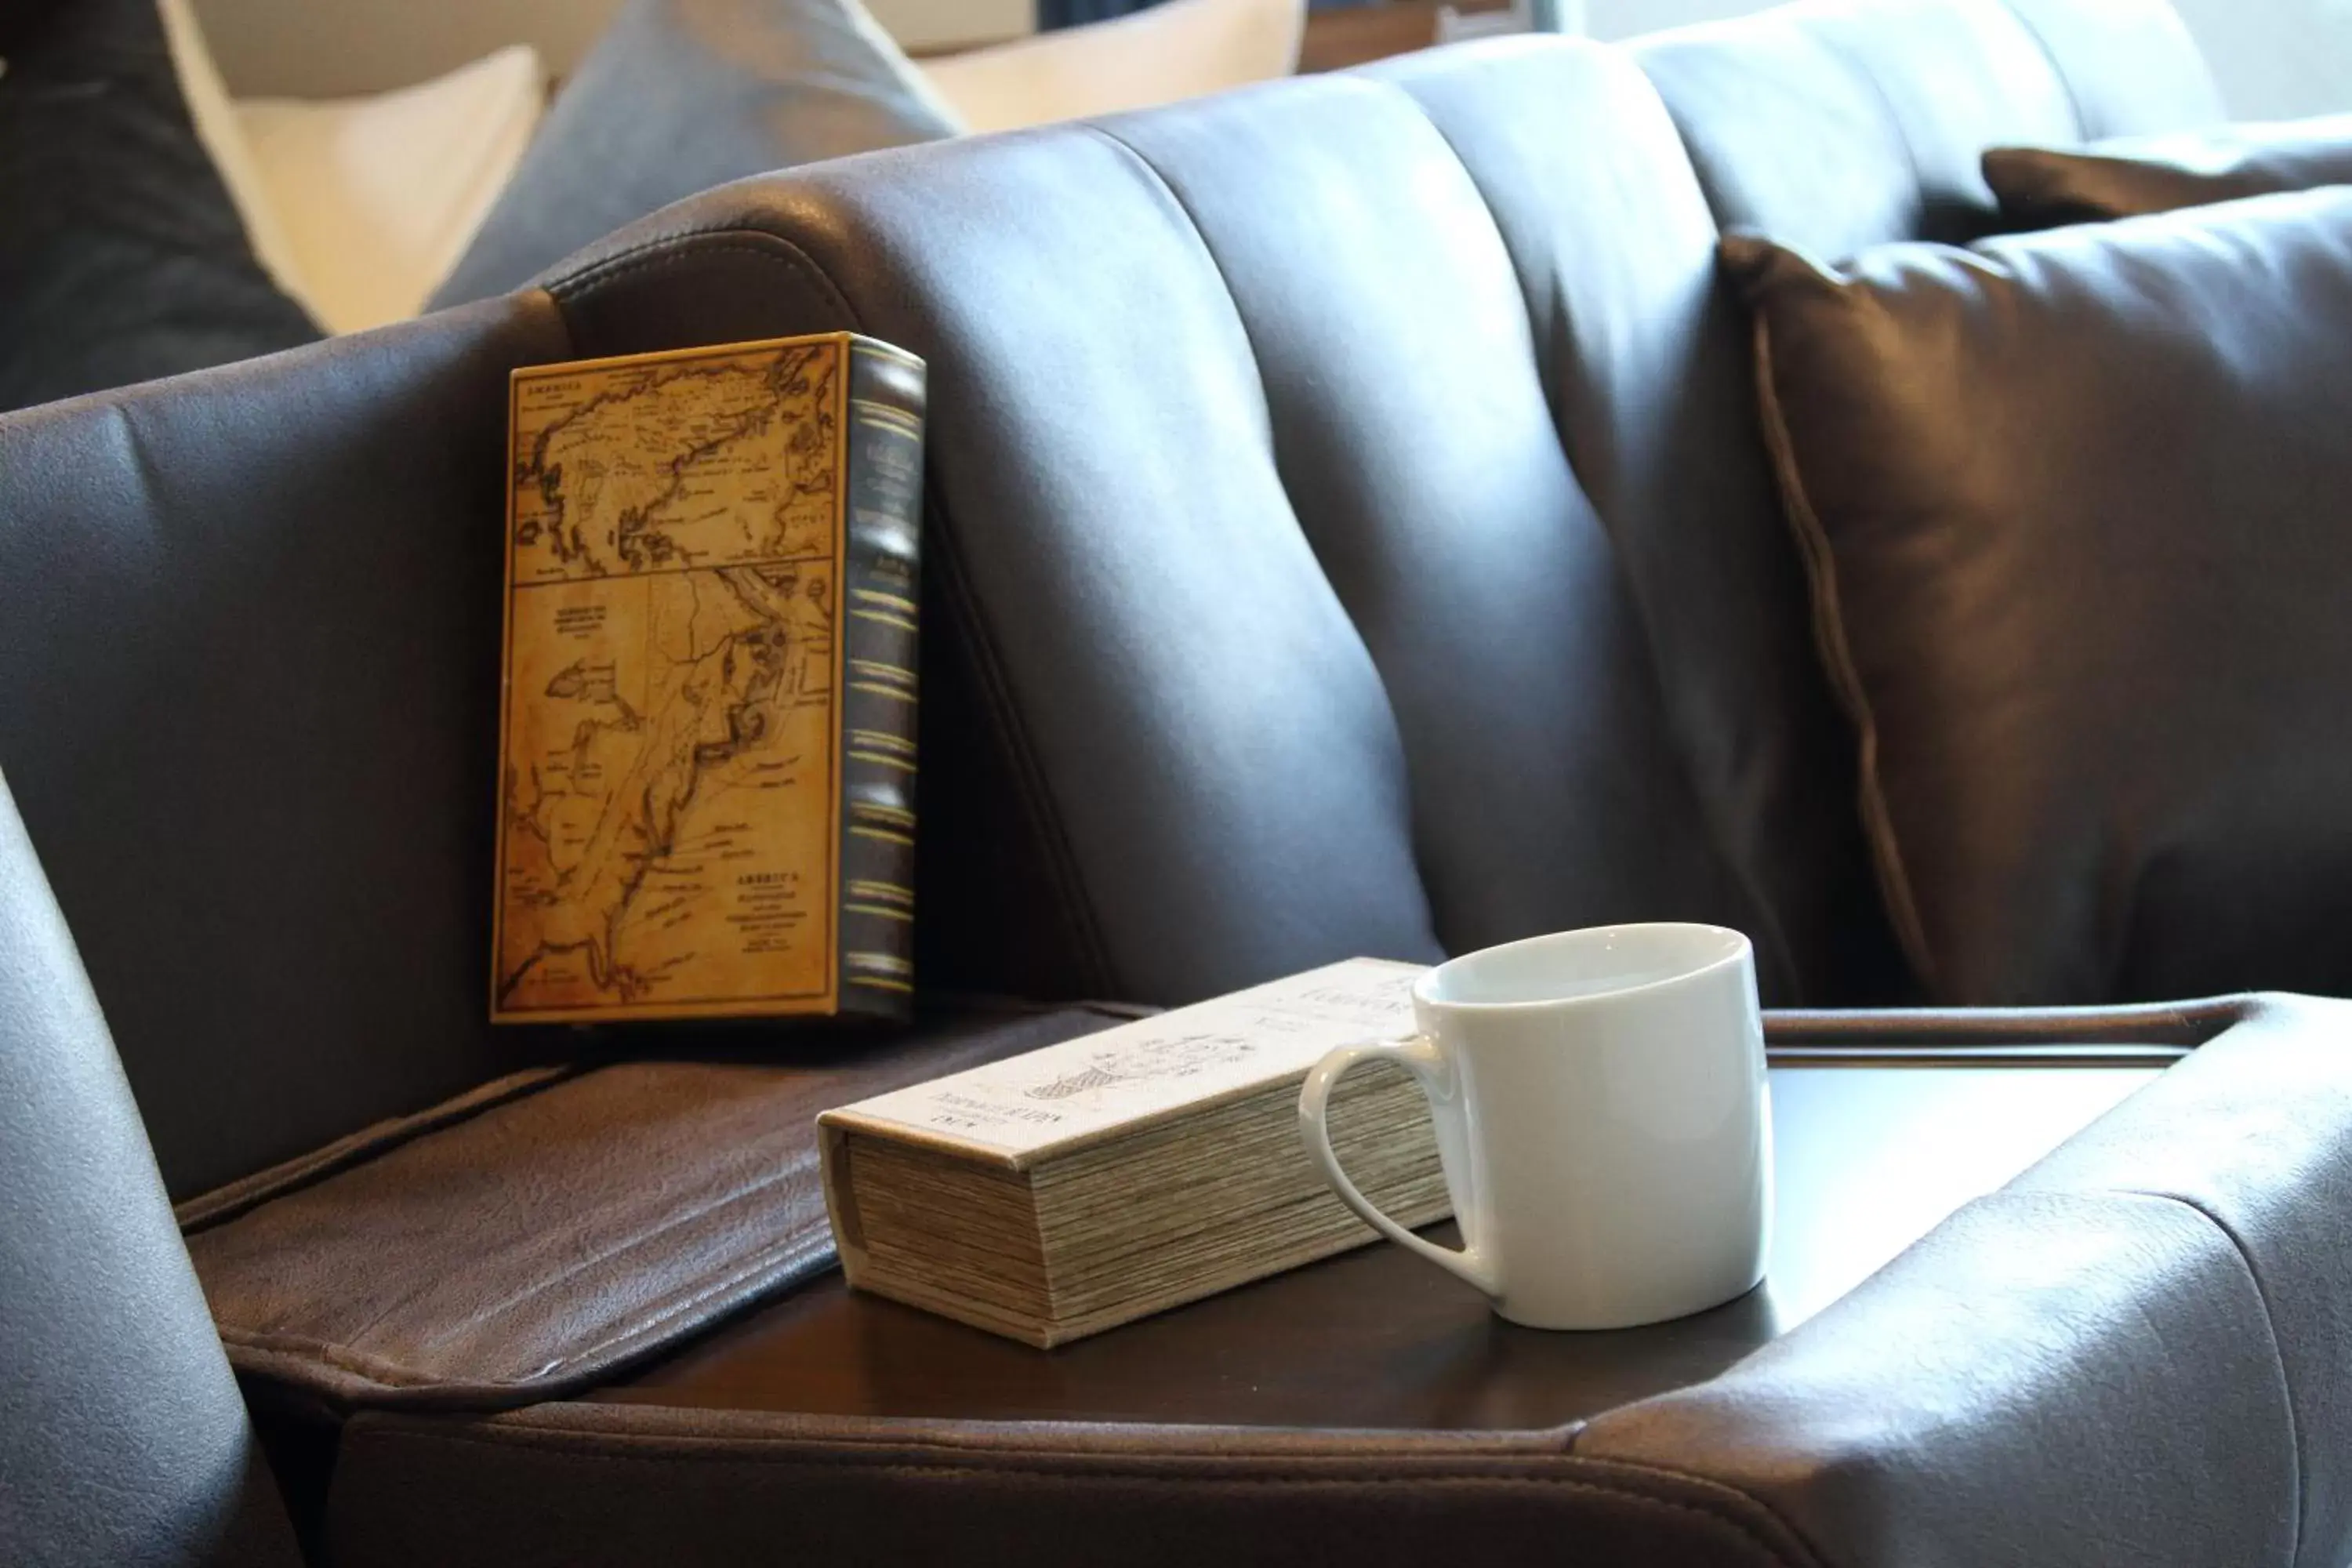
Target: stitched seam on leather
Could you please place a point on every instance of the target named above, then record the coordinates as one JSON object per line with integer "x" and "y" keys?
{"x": 882, "y": 1434}
{"x": 292, "y": 1361}
{"x": 1837, "y": 657}
{"x": 1274, "y": 455}
{"x": 232, "y": 1201}
{"x": 2270, "y": 1326}
{"x": 550, "y": 283}
{"x": 670, "y": 1222}
{"x": 1741, "y": 1528}
{"x": 342, "y": 1358}
{"x": 766, "y": 1271}
{"x": 1762, "y": 908}
{"x": 1758, "y": 1503}
{"x": 784, "y": 1257}
{"x": 671, "y": 250}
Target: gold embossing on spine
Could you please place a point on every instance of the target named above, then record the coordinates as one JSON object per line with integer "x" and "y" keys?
{"x": 881, "y": 688}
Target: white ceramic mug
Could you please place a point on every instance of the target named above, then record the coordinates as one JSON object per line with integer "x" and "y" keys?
{"x": 1601, "y": 1114}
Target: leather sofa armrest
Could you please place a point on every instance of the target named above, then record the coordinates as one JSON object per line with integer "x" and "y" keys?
{"x": 2132, "y": 1352}
{"x": 2128, "y": 1354}
{"x": 2047, "y": 1378}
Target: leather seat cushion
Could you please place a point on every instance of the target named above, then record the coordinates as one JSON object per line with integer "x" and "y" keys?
{"x": 2041, "y": 186}
{"x": 2074, "y": 505}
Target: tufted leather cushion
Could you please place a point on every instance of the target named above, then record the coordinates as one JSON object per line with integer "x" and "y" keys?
{"x": 2038, "y": 186}
{"x": 2075, "y": 506}
{"x": 121, "y": 1436}
{"x": 1253, "y": 651}
{"x": 1834, "y": 125}
{"x": 1306, "y": 638}
{"x": 1656, "y": 413}
{"x": 2131, "y": 66}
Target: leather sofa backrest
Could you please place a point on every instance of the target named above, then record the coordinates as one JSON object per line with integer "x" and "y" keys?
{"x": 1346, "y": 535}
{"x": 1646, "y": 369}
{"x": 1347, "y": 532}
{"x": 122, "y": 1438}
{"x": 1270, "y": 620}
{"x": 1836, "y": 124}
{"x": 250, "y": 625}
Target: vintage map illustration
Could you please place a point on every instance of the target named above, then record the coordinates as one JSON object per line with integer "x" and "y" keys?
{"x": 666, "y": 832}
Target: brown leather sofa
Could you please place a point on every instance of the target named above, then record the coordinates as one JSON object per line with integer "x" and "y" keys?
{"x": 1347, "y": 532}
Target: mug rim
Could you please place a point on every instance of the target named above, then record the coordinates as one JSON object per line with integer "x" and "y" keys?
{"x": 1742, "y": 951}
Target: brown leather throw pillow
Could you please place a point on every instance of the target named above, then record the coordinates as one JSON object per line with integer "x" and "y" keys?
{"x": 2041, "y": 186}
{"x": 2077, "y": 508}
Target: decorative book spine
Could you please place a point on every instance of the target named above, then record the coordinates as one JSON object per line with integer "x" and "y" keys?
{"x": 882, "y": 531}
{"x": 707, "y": 717}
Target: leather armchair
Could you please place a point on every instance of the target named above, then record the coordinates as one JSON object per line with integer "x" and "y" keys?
{"x": 122, "y": 1438}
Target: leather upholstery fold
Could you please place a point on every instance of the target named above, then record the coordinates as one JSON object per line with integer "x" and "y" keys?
{"x": 532, "y": 1240}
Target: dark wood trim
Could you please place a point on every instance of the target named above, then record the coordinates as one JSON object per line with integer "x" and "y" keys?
{"x": 1356, "y": 35}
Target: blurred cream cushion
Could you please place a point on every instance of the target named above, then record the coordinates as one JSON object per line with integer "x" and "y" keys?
{"x": 377, "y": 197}
{"x": 1180, "y": 48}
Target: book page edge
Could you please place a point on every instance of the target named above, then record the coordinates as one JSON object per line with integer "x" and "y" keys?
{"x": 832, "y": 1124}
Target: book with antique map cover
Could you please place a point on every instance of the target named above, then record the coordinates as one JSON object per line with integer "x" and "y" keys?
{"x": 708, "y": 721}
{"x": 1054, "y": 1194}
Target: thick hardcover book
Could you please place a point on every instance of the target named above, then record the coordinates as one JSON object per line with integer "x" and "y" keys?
{"x": 707, "y": 722}
{"x": 1058, "y": 1193}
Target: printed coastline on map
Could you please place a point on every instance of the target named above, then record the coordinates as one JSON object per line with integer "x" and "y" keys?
{"x": 668, "y": 788}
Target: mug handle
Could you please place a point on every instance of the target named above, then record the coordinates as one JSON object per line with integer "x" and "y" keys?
{"x": 1418, "y": 1055}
